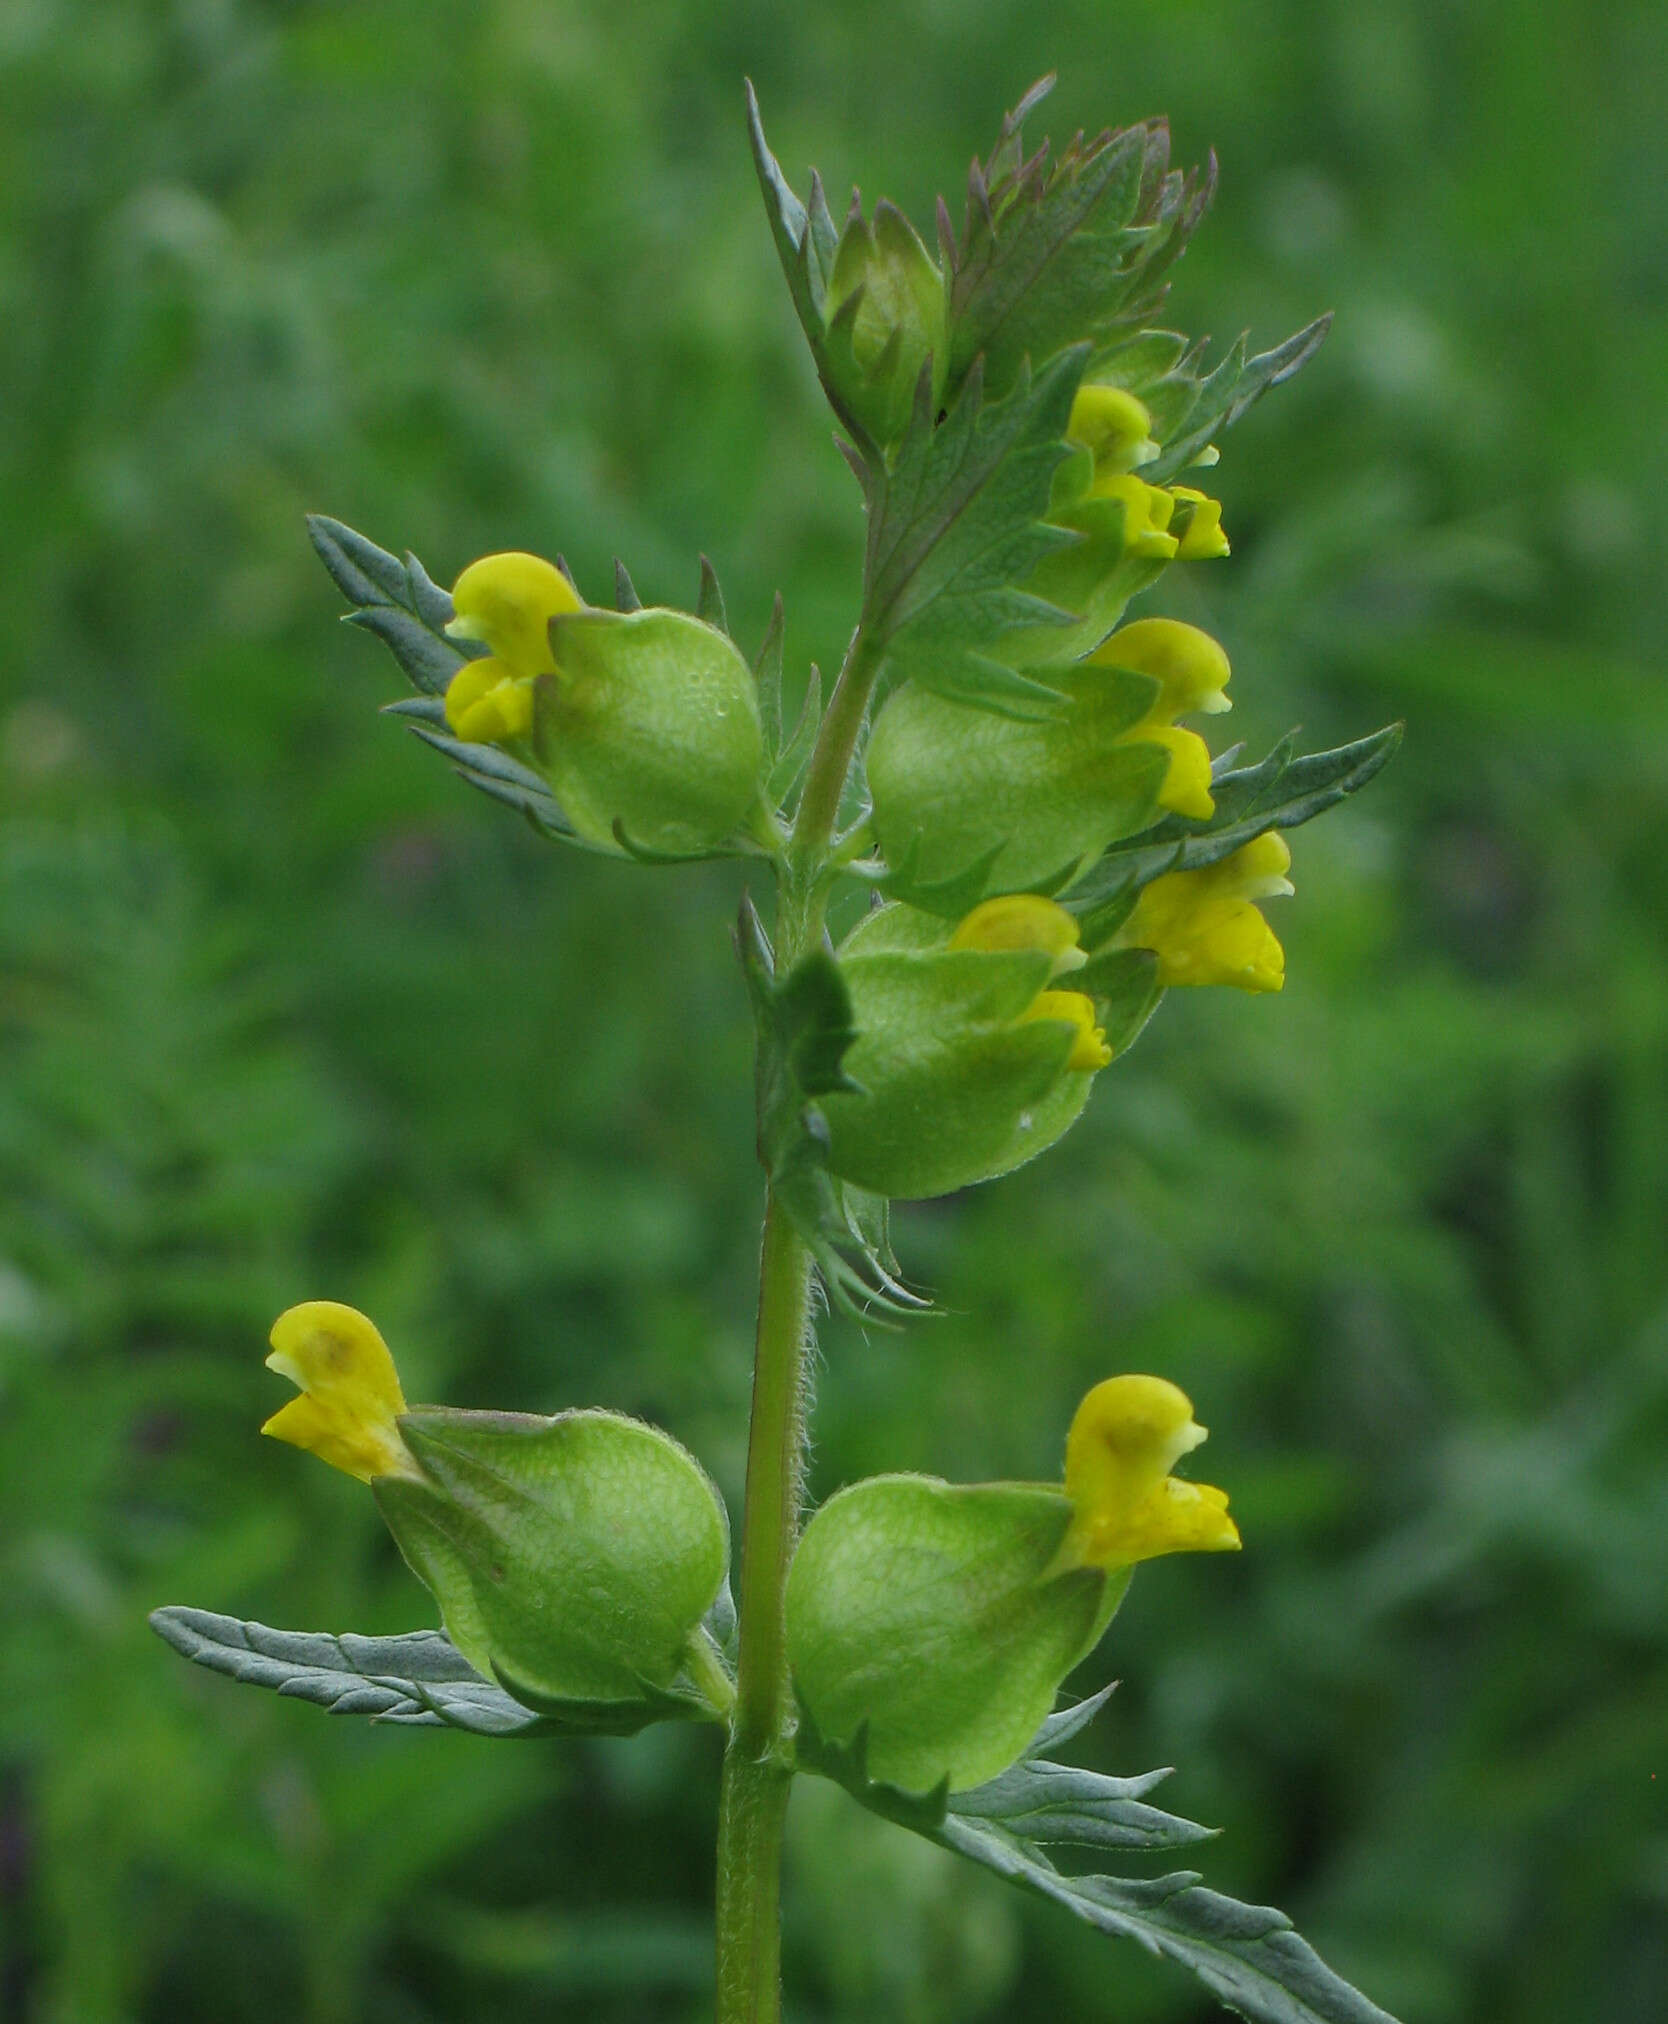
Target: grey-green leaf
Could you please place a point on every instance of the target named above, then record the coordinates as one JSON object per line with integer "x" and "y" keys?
{"x": 420, "y": 1679}
{"x": 767, "y": 672}
{"x": 799, "y": 248}
{"x": 1223, "y": 396}
{"x": 1065, "y": 1723}
{"x": 788, "y": 769}
{"x": 1248, "y": 1956}
{"x": 504, "y": 779}
{"x": 1063, "y": 1803}
{"x": 1124, "y": 984}
{"x": 709, "y": 604}
{"x": 393, "y": 599}
{"x": 1280, "y": 792}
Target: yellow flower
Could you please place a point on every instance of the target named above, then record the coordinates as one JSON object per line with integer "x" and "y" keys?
{"x": 1089, "y": 1051}
{"x": 485, "y": 702}
{"x": 506, "y": 602}
{"x": 1126, "y": 1437}
{"x": 1192, "y": 673}
{"x": 1186, "y": 788}
{"x": 1204, "y": 926}
{"x": 349, "y": 1410}
{"x": 1147, "y": 511}
{"x": 1204, "y": 539}
{"x": 1189, "y": 666}
{"x": 1114, "y": 426}
{"x": 1024, "y": 921}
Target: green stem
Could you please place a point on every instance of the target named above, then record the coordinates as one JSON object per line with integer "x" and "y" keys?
{"x": 754, "y": 1800}
{"x": 758, "y": 1762}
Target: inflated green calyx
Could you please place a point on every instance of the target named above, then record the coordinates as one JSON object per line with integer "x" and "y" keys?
{"x": 573, "y": 1558}
{"x": 955, "y": 786}
{"x": 650, "y": 726}
{"x": 645, "y": 723}
{"x": 967, "y": 1062}
{"x": 924, "y": 1613}
{"x": 935, "y": 1621}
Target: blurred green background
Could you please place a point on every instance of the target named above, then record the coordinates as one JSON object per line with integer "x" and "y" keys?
{"x": 285, "y": 1011}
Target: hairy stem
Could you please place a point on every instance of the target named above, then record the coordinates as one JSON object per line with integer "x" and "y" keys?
{"x": 774, "y": 1460}
{"x": 758, "y": 1771}
{"x": 754, "y": 1800}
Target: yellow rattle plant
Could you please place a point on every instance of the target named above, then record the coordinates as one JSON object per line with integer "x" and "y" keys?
{"x": 1039, "y": 847}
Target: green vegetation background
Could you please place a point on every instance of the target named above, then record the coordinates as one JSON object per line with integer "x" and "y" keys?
{"x": 285, "y": 1012}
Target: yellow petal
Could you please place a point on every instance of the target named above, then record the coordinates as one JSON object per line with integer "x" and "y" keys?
{"x": 486, "y": 702}
{"x": 1205, "y": 938}
{"x": 1147, "y": 510}
{"x": 1186, "y": 788}
{"x": 1204, "y": 540}
{"x": 472, "y": 681}
{"x": 1190, "y": 667}
{"x": 507, "y": 602}
{"x": 1022, "y": 922}
{"x": 1114, "y": 426}
{"x": 505, "y": 711}
{"x": 1257, "y": 870}
{"x": 1126, "y": 1436}
{"x": 1203, "y": 926}
{"x": 1089, "y": 1050}
{"x": 350, "y": 1405}
{"x": 1174, "y": 1518}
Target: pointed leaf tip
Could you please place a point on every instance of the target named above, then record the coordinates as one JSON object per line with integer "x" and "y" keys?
{"x": 709, "y": 603}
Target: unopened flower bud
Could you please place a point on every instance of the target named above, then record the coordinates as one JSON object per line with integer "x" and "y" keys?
{"x": 1089, "y": 1051}
{"x": 1190, "y": 667}
{"x": 885, "y": 316}
{"x": 1022, "y": 921}
{"x": 1114, "y": 427}
{"x": 1147, "y": 510}
{"x": 1186, "y": 785}
{"x": 1192, "y": 673}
